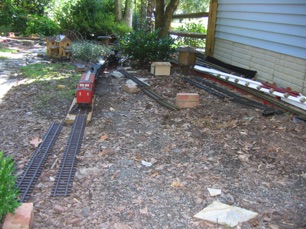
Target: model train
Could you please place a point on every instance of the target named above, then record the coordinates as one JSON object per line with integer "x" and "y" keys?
{"x": 85, "y": 89}
{"x": 86, "y": 86}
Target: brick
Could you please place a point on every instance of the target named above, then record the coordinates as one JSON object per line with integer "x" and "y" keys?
{"x": 187, "y": 100}
{"x": 22, "y": 219}
{"x": 187, "y": 104}
{"x": 189, "y": 97}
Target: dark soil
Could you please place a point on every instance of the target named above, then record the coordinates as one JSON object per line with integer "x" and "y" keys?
{"x": 258, "y": 162}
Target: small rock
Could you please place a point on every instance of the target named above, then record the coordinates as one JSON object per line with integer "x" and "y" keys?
{"x": 85, "y": 212}
{"x": 117, "y": 74}
{"x": 58, "y": 208}
{"x": 51, "y": 178}
{"x": 130, "y": 88}
{"x": 73, "y": 221}
{"x": 214, "y": 192}
{"x": 228, "y": 199}
{"x": 199, "y": 200}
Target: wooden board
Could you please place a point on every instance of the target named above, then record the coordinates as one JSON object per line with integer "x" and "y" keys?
{"x": 71, "y": 117}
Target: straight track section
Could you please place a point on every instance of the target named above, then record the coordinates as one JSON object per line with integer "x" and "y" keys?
{"x": 32, "y": 171}
{"x": 64, "y": 179}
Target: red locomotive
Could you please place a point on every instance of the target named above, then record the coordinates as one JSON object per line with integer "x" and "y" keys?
{"x": 85, "y": 89}
{"x": 86, "y": 86}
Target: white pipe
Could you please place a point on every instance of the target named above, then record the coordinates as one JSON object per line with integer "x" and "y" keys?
{"x": 299, "y": 101}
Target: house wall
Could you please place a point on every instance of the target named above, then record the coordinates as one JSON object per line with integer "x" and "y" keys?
{"x": 268, "y": 36}
{"x": 284, "y": 70}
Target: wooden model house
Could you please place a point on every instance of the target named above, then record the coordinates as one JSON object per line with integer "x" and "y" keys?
{"x": 59, "y": 46}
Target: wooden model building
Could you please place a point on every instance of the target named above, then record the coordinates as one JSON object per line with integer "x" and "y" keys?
{"x": 59, "y": 46}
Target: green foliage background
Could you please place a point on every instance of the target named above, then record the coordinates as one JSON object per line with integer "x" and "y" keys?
{"x": 40, "y": 25}
{"x": 145, "y": 47}
{"x": 194, "y": 28}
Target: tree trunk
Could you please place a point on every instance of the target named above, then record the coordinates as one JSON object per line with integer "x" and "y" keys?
{"x": 118, "y": 10}
{"x": 143, "y": 14}
{"x": 150, "y": 8}
{"x": 128, "y": 13}
{"x": 163, "y": 16}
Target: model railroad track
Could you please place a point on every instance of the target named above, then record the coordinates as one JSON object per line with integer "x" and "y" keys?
{"x": 64, "y": 179}
{"x": 223, "y": 93}
{"x": 145, "y": 88}
{"x": 32, "y": 171}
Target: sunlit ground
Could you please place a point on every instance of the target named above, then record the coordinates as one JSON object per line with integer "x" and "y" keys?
{"x": 7, "y": 84}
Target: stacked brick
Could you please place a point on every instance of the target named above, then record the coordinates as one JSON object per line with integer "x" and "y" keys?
{"x": 187, "y": 100}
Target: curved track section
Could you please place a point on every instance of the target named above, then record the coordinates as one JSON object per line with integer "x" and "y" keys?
{"x": 64, "y": 179}
{"x": 27, "y": 180}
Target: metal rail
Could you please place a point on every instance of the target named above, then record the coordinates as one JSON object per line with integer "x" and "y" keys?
{"x": 27, "y": 180}
{"x": 234, "y": 97}
{"x": 216, "y": 93}
{"x": 145, "y": 88}
{"x": 223, "y": 93}
{"x": 64, "y": 179}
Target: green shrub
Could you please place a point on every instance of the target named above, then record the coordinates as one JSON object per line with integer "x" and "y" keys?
{"x": 144, "y": 47}
{"x": 88, "y": 51}
{"x": 192, "y": 28}
{"x": 8, "y": 190}
{"x": 41, "y": 25}
{"x": 91, "y": 18}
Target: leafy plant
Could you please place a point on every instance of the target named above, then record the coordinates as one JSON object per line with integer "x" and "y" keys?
{"x": 88, "y": 51}
{"x": 193, "y": 28}
{"x": 91, "y": 18}
{"x": 41, "y": 25}
{"x": 8, "y": 190}
{"x": 144, "y": 46}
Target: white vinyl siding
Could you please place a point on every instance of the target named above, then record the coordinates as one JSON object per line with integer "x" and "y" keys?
{"x": 275, "y": 25}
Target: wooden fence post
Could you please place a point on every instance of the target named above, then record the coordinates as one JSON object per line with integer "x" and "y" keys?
{"x": 211, "y": 28}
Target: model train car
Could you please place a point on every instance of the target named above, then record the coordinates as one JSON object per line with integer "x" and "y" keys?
{"x": 85, "y": 89}
{"x": 86, "y": 86}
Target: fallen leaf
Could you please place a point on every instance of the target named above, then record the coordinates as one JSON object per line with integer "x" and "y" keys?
{"x": 103, "y": 137}
{"x": 106, "y": 151}
{"x": 244, "y": 158}
{"x": 176, "y": 184}
{"x": 273, "y": 226}
{"x": 36, "y": 141}
{"x": 115, "y": 174}
{"x": 137, "y": 201}
{"x": 155, "y": 174}
{"x": 303, "y": 175}
{"x": 144, "y": 211}
{"x": 137, "y": 158}
{"x": 76, "y": 200}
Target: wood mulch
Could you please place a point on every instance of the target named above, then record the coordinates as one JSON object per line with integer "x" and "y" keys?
{"x": 258, "y": 162}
